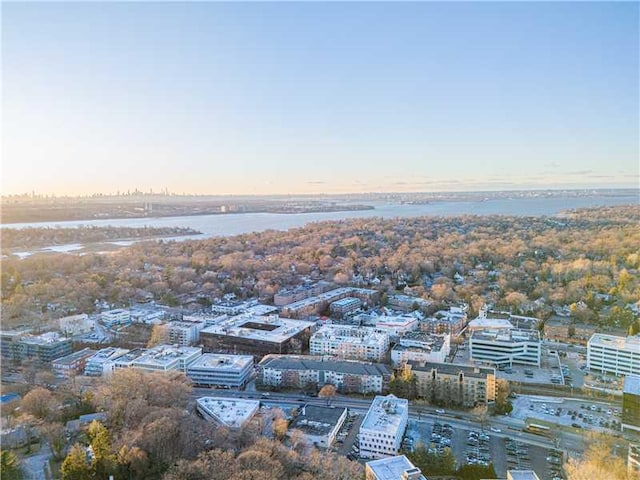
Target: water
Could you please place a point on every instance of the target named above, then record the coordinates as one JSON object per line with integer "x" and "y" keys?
{"x": 234, "y": 224}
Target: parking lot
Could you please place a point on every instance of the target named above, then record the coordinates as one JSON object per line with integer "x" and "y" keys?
{"x": 579, "y": 414}
{"x": 346, "y": 438}
{"x": 478, "y": 447}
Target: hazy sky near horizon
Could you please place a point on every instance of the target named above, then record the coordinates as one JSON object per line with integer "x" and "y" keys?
{"x": 319, "y": 97}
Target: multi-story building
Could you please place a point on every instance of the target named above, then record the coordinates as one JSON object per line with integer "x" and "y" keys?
{"x": 308, "y": 372}
{"x": 522, "y": 475}
{"x": 291, "y": 295}
{"x": 76, "y": 324}
{"x": 150, "y": 315}
{"x": 72, "y": 364}
{"x": 631, "y": 403}
{"x": 383, "y": 427}
{"x": 164, "y": 358}
{"x": 464, "y": 385}
{"x": 344, "y": 306}
{"x": 184, "y": 333}
{"x": 256, "y": 334}
{"x": 393, "y": 468}
{"x": 612, "y": 354}
{"x": 633, "y": 459}
{"x": 406, "y": 303}
{"x": 450, "y": 321}
{"x": 356, "y": 343}
{"x": 101, "y": 362}
{"x": 567, "y": 332}
{"x": 505, "y": 347}
{"x": 315, "y": 305}
{"x": 421, "y": 347}
{"x": 113, "y": 318}
{"x": 228, "y": 307}
{"x": 45, "y": 347}
{"x": 124, "y": 361}
{"x": 320, "y": 425}
{"x": 395, "y": 326}
{"x": 231, "y": 413}
{"x": 213, "y": 369}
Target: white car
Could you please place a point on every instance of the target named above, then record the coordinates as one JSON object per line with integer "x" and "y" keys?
{"x": 494, "y": 429}
{"x": 440, "y": 411}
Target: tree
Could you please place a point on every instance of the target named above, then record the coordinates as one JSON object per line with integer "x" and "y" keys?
{"x": 76, "y": 465}
{"x": 38, "y": 402}
{"x": 598, "y": 461}
{"x": 10, "y": 466}
{"x": 103, "y": 461}
{"x": 328, "y": 391}
{"x": 503, "y": 405}
{"x": 280, "y": 426}
{"x": 54, "y": 434}
{"x": 476, "y": 472}
{"x": 159, "y": 336}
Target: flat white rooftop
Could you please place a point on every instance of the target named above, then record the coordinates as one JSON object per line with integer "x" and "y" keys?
{"x": 342, "y": 333}
{"x": 631, "y": 344}
{"x": 392, "y": 468}
{"x": 489, "y": 323}
{"x": 163, "y": 355}
{"x": 271, "y": 328}
{"x": 522, "y": 475}
{"x": 230, "y": 412}
{"x": 219, "y": 361}
{"x": 385, "y": 414}
{"x": 506, "y": 335}
{"x": 632, "y": 384}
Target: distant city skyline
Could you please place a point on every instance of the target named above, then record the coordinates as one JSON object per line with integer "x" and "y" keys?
{"x": 307, "y": 98}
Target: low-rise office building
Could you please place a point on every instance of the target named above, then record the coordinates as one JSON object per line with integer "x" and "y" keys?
{"x": 230, "y": 413}
{"x": 393, "y": 468}
{"x": 631, "y": 403}
{"x": 506, "y": 347}
{"x": 421, "y": 347}
{"x": 72, "y": 364}
{"x": 76, "y": 324}
{"x": 383, "y": 427}
{"x": 218, "y": 370}
{"x": 463, "y": 385}
{"x": 114, "y": 318}
{"x": 309, "y": 372}
{"x": 320, "y": 425}
{"x": 612, "y": 354}
{"x": 45, "y": 347}
{"x": 356, "y": 343}
{"x": 257, "y": 335}
{"x": 102, "y": 362}
{"x": 164, "y": 358}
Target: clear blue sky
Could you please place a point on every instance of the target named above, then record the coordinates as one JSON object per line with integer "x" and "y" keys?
{"x": 319, "y": 97}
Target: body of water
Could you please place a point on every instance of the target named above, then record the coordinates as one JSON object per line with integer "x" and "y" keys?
{"x": 234, "y": 224}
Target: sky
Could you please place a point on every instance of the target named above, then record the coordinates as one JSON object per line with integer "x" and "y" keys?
{"x": 261, "y": 98}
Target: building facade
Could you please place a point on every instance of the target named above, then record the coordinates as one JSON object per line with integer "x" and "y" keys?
{"x": 383, "y": 427}
{"x": 448, "y": 383}
{"x": 320, "y": 425}
{"x": 506, "y": 347}
{"x": 311, "y": 373}
{"x": 421, "y": 347}
{"x": 393, "y": 468}
{"x": 101, "y": 363}
{"x": 631, "y": 403}
{"x": 355, "y": 343}
{"x": 44, "y": 348}
{"x": 72, "y": 364}
{"x": 184, "y": 333}
{"x": 114, "y": 318}
{"x": 612, "y": 354}
{"x": 211, "y": 369}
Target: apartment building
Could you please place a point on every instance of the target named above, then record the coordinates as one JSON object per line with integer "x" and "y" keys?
{"x": 320, "y": 425}
{"x": 463, "y": 385}
{"x": 218, "y": 370}
{"x": 566, "y": 332}
{"x": 450, "y": 321}
{"x": 506, "y": 347}
{"x": 406, "y": 303}
{"x": 291, "y": 295}
{"x": 421, "y": 347}
{"x": 393, "y": 468}
{"x": 309, "y": 372}
{"x": 356, "y": 343}
{"x": 612, "y": 354}
{"x": 383, "y": 427}
{"x": 72, "y": 364}
{"x": 344, "y": 306}
{"x": 102, "y": 361}
{"x": 315, "y": 305}
{"x": 184, "y": 333}
{"x": 164, "y": 358}
{"x": 394, "y": 326}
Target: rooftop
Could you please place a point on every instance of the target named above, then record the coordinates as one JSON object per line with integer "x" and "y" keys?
{"x": 107, "y": 354}
{"x": 632, "y": 384}
{"x": 117, "y": 311}
{"x": 362, "y": 335}
{"x": 183, "y": 324}
{"x": 74, "y": 357}
{"x": 454, "y": 369}
{"x": 385, "y": 414}
{"x": 522, "y": 475}
{"x": 222, "y": 362}
{"x": 345, "y": 302}
{"x": 230, "y": 412}
{"x": 166, "y": 354}
{"x": 317, "y": 420}
{"x": 507, "y": 335}
{"x": 43, "y": 339}
{"x": 394, "y": 321}
{"x": 270, "y": 328}
{"x": 621, "y": 343}
{"x": 392, "y": 468}
{"x": 309, "y": 362}
{"x": 493, "y": 323}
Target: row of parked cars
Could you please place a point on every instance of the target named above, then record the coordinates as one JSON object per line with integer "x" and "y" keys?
{"x": 555, "y": 460}
{"x": 517, "y": 455}
{"x": 477, "y": 452}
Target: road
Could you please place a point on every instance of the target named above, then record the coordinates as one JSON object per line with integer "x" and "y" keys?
{"x": 511, "y": 427}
